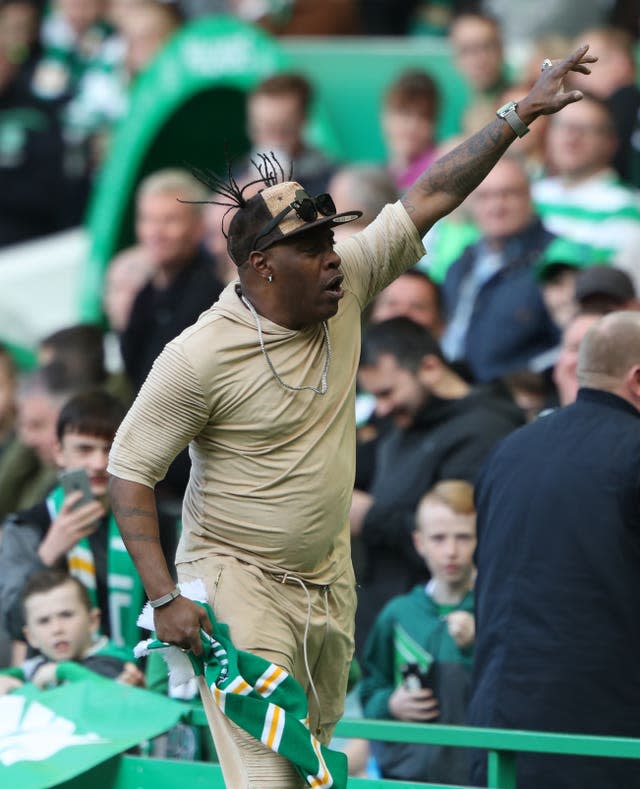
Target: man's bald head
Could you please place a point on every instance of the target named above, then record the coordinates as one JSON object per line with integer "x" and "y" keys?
{"x": 609, "y": 353}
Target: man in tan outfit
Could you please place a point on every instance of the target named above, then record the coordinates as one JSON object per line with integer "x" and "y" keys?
{"x": 262, "y": 389}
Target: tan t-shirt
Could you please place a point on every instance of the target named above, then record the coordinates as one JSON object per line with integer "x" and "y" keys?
{"x": 272, "y": 470}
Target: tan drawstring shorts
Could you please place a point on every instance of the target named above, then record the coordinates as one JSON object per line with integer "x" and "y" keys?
{"x": 268, "y": 615}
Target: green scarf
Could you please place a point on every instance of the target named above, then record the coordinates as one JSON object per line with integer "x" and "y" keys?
{"x": 265, "y": 701}
{"x": 125, "y": 592}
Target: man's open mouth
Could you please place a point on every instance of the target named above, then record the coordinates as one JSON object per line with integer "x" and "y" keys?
{"x": 335, "y": 285}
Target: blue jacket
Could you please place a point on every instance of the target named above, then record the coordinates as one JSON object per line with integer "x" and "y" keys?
{"x": 509, "y": 324}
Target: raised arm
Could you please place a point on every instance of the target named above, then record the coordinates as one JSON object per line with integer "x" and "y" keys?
{"x": 445, "y": 184}
{"x": 134, "y": 508}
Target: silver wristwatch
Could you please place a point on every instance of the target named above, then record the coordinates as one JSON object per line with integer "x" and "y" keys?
{"x": 508, "y": 113}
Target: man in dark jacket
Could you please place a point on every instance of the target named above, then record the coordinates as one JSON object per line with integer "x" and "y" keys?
{"x": 183, "y": 283}
{"x": 32, "y": 188}
{"x": 496, "y": 318}
{"x": 558, "y": 587}
{"x": 442, "y": 429}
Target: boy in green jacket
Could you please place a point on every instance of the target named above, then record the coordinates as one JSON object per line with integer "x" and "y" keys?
{"x": 418, "y": 657}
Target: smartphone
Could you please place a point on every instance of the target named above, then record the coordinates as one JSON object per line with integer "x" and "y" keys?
{"x": 416, "y": 677}
{"x": 76, "y": 479}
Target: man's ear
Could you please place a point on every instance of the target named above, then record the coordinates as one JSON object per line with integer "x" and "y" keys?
{"x": 418, "y": 540}
{"x": 633, "y": 382}
{"x": 258, "y": 261}
{"x": 430, "y": 370}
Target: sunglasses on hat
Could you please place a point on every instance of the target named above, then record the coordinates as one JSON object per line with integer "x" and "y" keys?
{"x": 306, "y": 207}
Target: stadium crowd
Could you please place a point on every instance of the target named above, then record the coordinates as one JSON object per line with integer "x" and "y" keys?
{"x": 479, "y": 338}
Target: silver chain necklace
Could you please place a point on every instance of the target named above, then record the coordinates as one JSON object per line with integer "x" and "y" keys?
{"x": 324, "y": 385}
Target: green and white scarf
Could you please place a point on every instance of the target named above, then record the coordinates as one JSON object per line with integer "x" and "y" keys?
{"x": 260, "y": 697}
{"x": 125, "y": 592}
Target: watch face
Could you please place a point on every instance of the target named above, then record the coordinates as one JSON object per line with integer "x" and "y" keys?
{"x": 510, "y": 105}
{"x": 508, "y": 113}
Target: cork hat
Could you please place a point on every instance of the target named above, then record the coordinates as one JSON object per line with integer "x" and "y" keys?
{"x": 279, "y": 212}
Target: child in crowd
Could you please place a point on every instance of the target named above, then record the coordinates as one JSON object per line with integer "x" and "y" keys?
{"x": 61, "y": 625}
{"x": 417, "y": 661}
{"x": 409, "y": 118}
{"x": 60, "y": 532}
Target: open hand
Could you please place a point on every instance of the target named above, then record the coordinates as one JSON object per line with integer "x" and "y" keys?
{"x": 547, "y": 94}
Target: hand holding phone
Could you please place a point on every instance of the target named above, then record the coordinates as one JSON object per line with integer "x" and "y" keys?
{"x": 73, "y": 480}
{"x": 416, "y": 677}
{"x": 408, "y": 703}
{"x": 76, "y": 482}
{"x": 78, "y": 517}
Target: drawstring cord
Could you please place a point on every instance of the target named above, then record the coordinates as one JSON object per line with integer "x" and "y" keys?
{"x": 286, "y": 578}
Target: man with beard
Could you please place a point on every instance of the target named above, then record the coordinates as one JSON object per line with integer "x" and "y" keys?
{"x": 442, "y": 428}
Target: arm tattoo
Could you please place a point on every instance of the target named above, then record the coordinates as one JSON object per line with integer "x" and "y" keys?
{"x": 122, "y": 511}
{"x": 136, "y": 536}
{"x": 461, "y": 170}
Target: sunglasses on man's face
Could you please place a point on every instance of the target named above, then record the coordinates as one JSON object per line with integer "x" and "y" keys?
{"x": 305, "y": 206}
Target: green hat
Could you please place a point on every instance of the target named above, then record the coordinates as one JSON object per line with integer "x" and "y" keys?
{"x": 565, "y": 252}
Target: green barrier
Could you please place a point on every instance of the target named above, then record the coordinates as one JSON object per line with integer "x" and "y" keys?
{"x": 132, "y": 772}
{"x": 502, "y": 746}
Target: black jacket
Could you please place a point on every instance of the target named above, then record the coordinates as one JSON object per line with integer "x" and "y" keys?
{"x": 157, "y": 316}
{"x": 31, "y": 177}
{"x": 558, "y": 587}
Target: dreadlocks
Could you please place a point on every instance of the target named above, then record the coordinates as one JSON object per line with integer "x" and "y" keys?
{"x": 269, "y": 168}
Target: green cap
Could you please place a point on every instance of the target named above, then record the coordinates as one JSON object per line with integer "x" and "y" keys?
{"x": 565, "y": 252}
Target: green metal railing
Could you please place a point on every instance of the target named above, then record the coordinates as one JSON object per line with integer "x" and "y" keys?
{"x": 501, "y": 745}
